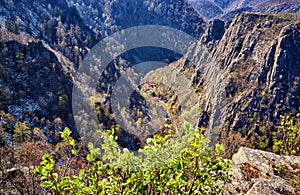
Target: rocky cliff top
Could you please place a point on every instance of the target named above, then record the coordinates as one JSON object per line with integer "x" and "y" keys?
{"x": 257, "y": 172}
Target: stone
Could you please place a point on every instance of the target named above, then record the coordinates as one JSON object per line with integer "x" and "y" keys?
{"x": 255, "y": 172}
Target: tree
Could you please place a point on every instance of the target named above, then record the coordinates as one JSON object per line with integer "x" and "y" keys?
{"x": 21, "y": 132}
{"x": 286, "y": 140}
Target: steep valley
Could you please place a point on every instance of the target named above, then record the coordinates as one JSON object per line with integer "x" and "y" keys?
{"x": 238, "y": 82}
{"x": 257, "y": 55}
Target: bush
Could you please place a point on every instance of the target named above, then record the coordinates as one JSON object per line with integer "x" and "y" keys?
{"x": 286, "y": 140}
{"x": 196, "y": 169}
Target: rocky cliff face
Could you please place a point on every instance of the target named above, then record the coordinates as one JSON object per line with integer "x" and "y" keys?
{"x": 258, "y": 57}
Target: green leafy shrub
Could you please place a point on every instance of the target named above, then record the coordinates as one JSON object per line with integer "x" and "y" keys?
{"x": 286, "y": 140}
{"x": 194, "y": 169}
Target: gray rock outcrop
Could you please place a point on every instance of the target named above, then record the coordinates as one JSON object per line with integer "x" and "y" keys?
{"x": 256, "y": 172}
